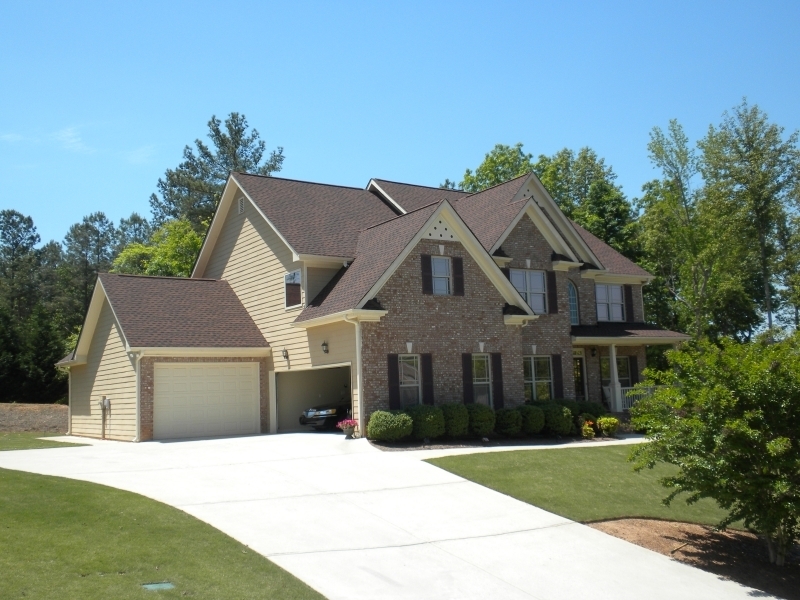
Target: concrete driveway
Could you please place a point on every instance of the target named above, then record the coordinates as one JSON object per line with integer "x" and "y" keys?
{"x": 355, "y": 522}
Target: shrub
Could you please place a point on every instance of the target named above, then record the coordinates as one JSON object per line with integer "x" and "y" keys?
{"x": 587, "y": 431}
{"x": 389, "y": 426}
{"x": 532, "y": 419}
{"x": 574, "y": 407}
{"x": 608, "y": 425}
{"x": 481, "y": 419}
{"x": 428, "y": 421}
{"x": 584, "y": 417}
{"x": 593, "y": 408}
{"x": 557, "y": 419}
{"x": 508, "y": 421}
{"x": 456, "y": 420}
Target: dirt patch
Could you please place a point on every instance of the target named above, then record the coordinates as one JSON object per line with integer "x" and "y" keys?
{"x": 52, "y": 418}
{"x": 736, "y": 555}
{"x": 493, "y": 442}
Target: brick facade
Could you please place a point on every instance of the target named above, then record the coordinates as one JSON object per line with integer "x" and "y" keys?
{"x": 147, "y": 369}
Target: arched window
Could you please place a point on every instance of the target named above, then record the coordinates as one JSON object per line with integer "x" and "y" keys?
{"x": 574, "y": 315}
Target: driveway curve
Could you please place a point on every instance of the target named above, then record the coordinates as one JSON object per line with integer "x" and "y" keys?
{"x": 352, "y": 521}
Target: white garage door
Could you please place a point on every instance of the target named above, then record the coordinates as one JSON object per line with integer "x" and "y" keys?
{"x": 205, "y": 399}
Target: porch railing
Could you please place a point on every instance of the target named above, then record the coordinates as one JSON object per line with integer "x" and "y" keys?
{"x": 631, "y": 395}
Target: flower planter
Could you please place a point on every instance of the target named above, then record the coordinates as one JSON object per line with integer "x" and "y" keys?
{"x": 348, "y": 432}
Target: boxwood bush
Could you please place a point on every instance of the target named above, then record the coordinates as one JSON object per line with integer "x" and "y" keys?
{"x": 508, "y": 421}
{"x": 608, "y": 425}
{"x": 532, "y": 418}
{"x": 456, "y": 420}
{"x": 558, "y": 419}
{"x": 428, "y": 421}
{"x": 387, "y": 426}
{"x": 481, "y": 419}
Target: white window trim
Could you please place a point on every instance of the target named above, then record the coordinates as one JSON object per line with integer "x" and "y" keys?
{"x": 533, "y": 380}
{"x": 573, "y": 290}
{"x": 449, "y": 278}
{"x": 608, "y": 304}
{"x": 527, "y": 292}
{"x": 418, "y": 385}
{"x": 294, "y": 306}
{"x": 488, "y": 376}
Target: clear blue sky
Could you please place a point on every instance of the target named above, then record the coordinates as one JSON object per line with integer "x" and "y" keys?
{"x": 98, "y": 99}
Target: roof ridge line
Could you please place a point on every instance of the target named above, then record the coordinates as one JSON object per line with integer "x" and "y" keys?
{"x": 498, "y": 184}
{"x": 430, "y": 187}
{"x": 159, "y": 277}
{"x": 411, "y": 212}
{"x": 347, "y": 187}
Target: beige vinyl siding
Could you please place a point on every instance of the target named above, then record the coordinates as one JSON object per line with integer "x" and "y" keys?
{"x": 253, "y": 259}
{"x": 317, "y": 278}
{"x": 108, "y": 372}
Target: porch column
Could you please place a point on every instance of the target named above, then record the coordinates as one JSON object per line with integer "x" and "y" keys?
{"x": 616, "y": 392}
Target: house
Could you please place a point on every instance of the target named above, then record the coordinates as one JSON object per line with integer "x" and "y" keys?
{"x": 390, "y": 295}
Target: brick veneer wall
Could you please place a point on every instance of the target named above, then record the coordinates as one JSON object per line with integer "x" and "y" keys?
{"x": 147, "y": 369}
{"x": 445, "y": 326}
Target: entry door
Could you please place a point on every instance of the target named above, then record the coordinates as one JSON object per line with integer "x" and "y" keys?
{"x": 579, "y": 370}
{"x": 205, "y": 399}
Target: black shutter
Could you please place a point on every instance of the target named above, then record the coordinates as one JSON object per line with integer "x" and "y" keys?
{"x": 394, "y": 382}
{"x": 426, "y": 364}
{"x": 628, "y": 303}
{"x": 427, "y": 274}
{"x": 558, "y": 376}
{"x": 458, "y": 276}
{"x": 466, "y": 371}
{"x": 497, "y": 380}
{"x": 552, "y": 293}
{"x": 634, "y": 367}
{"x": 506, "y": 272}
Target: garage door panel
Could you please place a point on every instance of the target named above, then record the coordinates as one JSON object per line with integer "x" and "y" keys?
{"x": 212, "y": 399}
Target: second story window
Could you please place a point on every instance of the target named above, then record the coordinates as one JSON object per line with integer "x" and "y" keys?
{"x": 574, "y": 313}
{"x": 610, "y": 302}
{"x": 292, "y": 289}
{"x": 440, "y": 267}
{"x": 531, "y": 286}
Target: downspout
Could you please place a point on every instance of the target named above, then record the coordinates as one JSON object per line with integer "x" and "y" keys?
{"x": 359, "y": 377}
{"x": 69, "y": 401}
{"x": 138, "y": 359}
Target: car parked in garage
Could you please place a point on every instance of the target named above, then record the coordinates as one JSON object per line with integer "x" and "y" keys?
{"x": 325, "y": 416}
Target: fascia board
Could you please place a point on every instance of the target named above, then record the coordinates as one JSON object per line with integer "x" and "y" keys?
{"x": 210, "y": 240}
{"x": 190, "y": 351}
{"x": 519, "y": 319}
{"x": 606, "y": 277}
{"x": 470, "y": 243}
{"x": 558, "y": 215}
{"x": 90, "y": 322}
{"x": 113, "y": 312}
{"x": 374, "y": 186}
{"x": 317, "y": 260}
{"x": 565, "y": 265}
{"x": 633, "y": 341}
{"x": 352, "y": 315}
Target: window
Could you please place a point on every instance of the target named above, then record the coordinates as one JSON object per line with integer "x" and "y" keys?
{"x": 574, "y": 314}
{"x": 531, "y": 286}
{"x": 538, "y": 377}
{"x": 610, "y": 304}
{"x": 440, "y": 267}
{"x": 482, "y": 379}
{"x": 410, "y": 379}
{"x": 291, "y": 284}
{"x": 623, "y": 371}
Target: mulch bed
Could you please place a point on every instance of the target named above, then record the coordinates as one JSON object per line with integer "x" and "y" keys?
{"x": 494, "y": 442}
{"x": 51, "y": 418}
{"x": 736, "y": 555}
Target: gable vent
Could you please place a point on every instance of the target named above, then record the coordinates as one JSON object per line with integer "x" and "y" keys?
{"x": 441, "y": 231}
{"x": 241, "y": 205}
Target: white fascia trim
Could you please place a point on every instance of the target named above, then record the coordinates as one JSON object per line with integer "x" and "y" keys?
{"x": 318, "y": 260}
{"x": 90, "y": 323}
{"x": 637, "y": 341}
{"x": 606, "y": 277}
{"x": 502, "y": 261}
{"x": 519, "y": 319}
{"x": 213, "y": 230}
{"x": 558, "y": 215}
{"x": 372, "y": 185}
{"x": 470, "y": 243}
{"x": 180, "y": 352}
{"x": 114, "y": 313}
{"x": 345, "y": 315}
{"x": 565, "y": 265}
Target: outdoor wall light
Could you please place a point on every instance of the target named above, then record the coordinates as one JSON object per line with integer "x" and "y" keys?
{"x": 594, "y": 352}
{"x": 409, "y": 346}
{"x": 285, "y": 354}
{"x": 480, "y": 345}
{"x": 533, "y": 349}
{"x": 324, "y": 347}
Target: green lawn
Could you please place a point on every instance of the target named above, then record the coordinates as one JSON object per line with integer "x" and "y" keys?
{"x": 29, "y": 441}
{"x": 61, "y": 538}
{"x": 582, "y": 484}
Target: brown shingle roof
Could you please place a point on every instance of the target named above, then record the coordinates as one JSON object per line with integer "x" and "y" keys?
{"x": 489, "y": 213}
{"x": 378, "y": 247}
{"x": 173, "y": 312}
{"x": 411, "y": 197}
{"x": 625, "y": 330}
{"x": 612, "y": 260}
{"x": 315, "y": 218}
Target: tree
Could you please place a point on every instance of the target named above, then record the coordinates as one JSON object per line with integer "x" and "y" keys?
{"x": 133, "y": 230}
{"x": 727, "y": 417}
{"x": 89, "y": 250}
{"x": 755, "y": 174}
{"x": 789, "y": 270}
{"x": 18, "y": 262}
{"x": 498, "y": 166}
{"x": 171, "y": 251}
{"x": 193, "y": 189}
